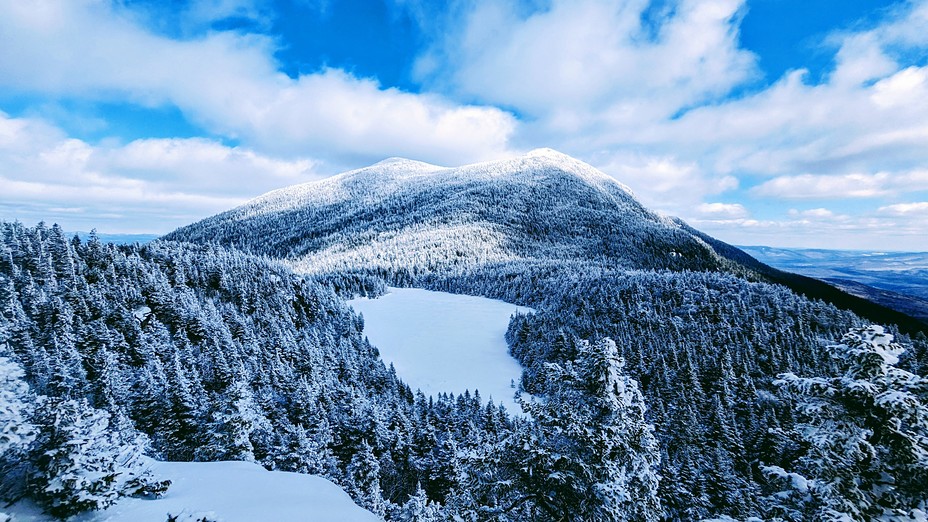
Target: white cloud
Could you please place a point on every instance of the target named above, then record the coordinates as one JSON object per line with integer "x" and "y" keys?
{"x": 906, "y": 209}
{"x": 152, "y": 185}
{"x": 905, "y": 88}
{"x": 229, "y": 83}
{"x": 592, "y": 55}
{"x": 808, "y": 186}
{"x": 839, "y": 231}
{"x": 814, "y": 213}
{"x": 723, "y": 210}
{"x": 663, "y": 182}
{"x": 844, "y": 186}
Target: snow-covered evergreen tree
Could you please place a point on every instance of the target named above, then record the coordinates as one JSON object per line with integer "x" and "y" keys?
{"x": 16, "y": 408}
{"x": 229, "y": 437}
{"x": 867, "y": 437}
{"x": 82, "y": 464}
{"x": 363, "y": 480}
{"x": 17, "y": 432}
{"x": 419, "y": 508}
{"x": 623, "y": 443}
{"x": 593, "y": 456}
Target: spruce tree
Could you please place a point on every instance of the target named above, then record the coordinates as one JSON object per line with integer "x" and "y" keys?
{"x": 81, "y": 463}
{"x": 867, "y": 436}
{"x": 592, "y": 456}
{"x": 17, "y": 432}
{"x": 363, "y": 480}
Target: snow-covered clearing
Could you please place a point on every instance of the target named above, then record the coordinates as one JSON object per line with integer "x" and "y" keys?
{"x": 227, "y": 492}
{"x": 441, "y": 342}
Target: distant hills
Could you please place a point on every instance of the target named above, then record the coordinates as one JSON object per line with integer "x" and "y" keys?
{"x": 120, "y": 239}
{"x": 897, "y": 280}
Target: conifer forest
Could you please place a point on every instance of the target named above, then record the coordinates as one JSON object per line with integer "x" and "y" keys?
{"x": 666, "y": 376}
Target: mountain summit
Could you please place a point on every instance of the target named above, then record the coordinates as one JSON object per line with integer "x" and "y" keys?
{"x": 405, "y": 213}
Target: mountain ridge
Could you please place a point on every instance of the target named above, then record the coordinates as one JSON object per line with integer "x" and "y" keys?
{"x": 410, "y": 217}
{"x": 541, "y": 205}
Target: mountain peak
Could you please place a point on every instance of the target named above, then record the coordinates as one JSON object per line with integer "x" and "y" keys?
{"x": 545, "y": 152}
{"x": 400, "y": 212}
{"x": 581, "y": 169}
{"x": 395, "y": 161}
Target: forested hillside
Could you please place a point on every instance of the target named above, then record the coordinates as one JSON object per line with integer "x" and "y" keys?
{"x": 407, "y": 218}
{"x": 700, "y": 325}
{"x": 191, "y": 353}
{"x": 665, "y": 379}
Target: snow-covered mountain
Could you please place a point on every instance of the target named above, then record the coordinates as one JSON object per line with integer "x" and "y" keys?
{"x": 402, "y": 218}
{"x": 673, "y": 380}
{"x": 403, "y": 213}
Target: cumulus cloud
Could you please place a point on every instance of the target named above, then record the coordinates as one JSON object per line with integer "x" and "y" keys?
{"x": 843, "y": 186}
{"x": 808, "y": 186}
{"x": 591, "y": 55}
{"x": 723, "y": 210}
{"x": 663, "y": 182}
{"x": 150, "y": 185}
{"x": 906, "y": 209}
{"x": 646, "y": 95}
{"x": 815, "y": 213}
{"x": 870, "y": 115}
{"x": 229, "y": 83}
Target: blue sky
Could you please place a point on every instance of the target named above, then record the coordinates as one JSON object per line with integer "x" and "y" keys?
{"x": 778, "y": 122}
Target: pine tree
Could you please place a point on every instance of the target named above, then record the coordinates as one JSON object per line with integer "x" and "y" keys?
{"x": 16, "y": 405}
{"x": 419, "y": 508}
{"x": 83, "y": 464}
{"x": 627, "y": 481}
{"x": 593, "y": 456}
{"x": 867, "y": 436}
{"x": 228, "y": 437}
{"x": 17, "y": 432}
{"x": 363, "y": 480}
{"x": 444, "y": 473}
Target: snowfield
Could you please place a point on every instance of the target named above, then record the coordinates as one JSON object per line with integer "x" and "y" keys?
{"x": 227, "y": 492}
{"x": 441, "y": 342}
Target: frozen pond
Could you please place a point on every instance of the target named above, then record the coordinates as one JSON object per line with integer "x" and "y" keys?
{"x": 441, "y": 342}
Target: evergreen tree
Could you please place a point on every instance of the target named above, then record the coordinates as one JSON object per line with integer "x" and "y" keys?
{"x": 444, "y": 468}
{"x": 17, "y": 432}
{"x": 16, "y": 408}
{"x": 594, "y": 456}
{"x": 363, "y": 480}
{"x": 867, "y": 437}
{"x": 419, "y": 508}
{"x": 81, "y": 463}
{"x": 229, "y": 437}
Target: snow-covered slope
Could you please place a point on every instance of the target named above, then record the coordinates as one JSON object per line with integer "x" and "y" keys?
{"x": 227, "y": 492}
{"x": 403, "y": 213}
{"x": 441, "y": 342}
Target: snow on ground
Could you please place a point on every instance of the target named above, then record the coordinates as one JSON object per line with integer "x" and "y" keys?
{"x": 227, "y": 492}
{"x": 441, "y": 342}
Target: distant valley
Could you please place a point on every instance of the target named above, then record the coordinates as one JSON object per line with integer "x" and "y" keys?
{"x": 897, "y": 280}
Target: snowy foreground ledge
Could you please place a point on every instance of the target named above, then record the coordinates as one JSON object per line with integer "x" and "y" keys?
{"x": 227, "y": 492}
{"x": 441, "y": 342}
